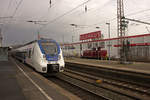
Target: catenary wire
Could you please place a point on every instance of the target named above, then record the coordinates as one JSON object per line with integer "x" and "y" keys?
{"x": 18, "y": 5}
{"x": 66, "y": 13}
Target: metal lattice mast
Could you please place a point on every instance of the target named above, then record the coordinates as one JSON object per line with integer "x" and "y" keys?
{"x": 1, "y": 38}
{"x": 121, "y": 29}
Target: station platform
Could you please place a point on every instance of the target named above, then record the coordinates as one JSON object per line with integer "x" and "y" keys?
{"x": 139, "y": 67}
{"x": 9, "y": 87}
{"x": 19, "y": 82}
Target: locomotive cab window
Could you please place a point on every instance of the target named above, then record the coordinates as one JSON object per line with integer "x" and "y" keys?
{"x": 49, "y": 48}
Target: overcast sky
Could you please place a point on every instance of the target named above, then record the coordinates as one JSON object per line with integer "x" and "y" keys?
{"x": 17, "y": 30}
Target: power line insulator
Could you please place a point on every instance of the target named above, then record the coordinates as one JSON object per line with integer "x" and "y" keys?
{"x": 50, "y": 2}
{"x": 85, "y": 8}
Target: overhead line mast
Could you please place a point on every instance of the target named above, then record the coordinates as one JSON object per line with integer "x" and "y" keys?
{"x": 122, "y": 22}
{"x": 121, "y": 29}
{"x": 1, "y": 37}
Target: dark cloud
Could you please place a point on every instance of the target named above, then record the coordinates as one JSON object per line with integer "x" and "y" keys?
{"x": 18, "y": 30}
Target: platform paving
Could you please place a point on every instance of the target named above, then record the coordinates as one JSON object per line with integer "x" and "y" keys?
{"x": 9, "y": 87}
{"x": 134, "y": 66}
{"x": 15, "y": 85}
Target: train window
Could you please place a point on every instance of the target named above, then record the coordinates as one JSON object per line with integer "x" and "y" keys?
{"x": 30, "y": 53}
{"x": 49, "y": 48}
{"x": 33, "y": 51}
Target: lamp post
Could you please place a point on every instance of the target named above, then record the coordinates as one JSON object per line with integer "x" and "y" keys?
{"x": 74, "y": 25}
{"x": 73, "y": 37}
{"x": 97, "y": 27}
{"x": 109, "y": 38}
{"x": 1, "y": 37}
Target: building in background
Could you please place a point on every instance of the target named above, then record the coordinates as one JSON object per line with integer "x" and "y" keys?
{"x": 137, "y": 47}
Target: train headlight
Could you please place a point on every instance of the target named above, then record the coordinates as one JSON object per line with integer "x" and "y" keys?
{"x": 43, "y": 68}
{"x": 59, "y": 57}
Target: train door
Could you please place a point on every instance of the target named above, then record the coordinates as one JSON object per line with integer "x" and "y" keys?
{"x": 29, "y": 55}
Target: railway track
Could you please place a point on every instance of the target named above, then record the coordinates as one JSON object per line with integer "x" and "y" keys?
{"x": 141, "y": 79}
{"x": 60, "y": 80}
{"x": 124, "y": 87}
{"x": 78, "y": 87}
{"x": 91, "y": 87}
{"x": 102, "y": 91}
{"x": 125, "y": 90}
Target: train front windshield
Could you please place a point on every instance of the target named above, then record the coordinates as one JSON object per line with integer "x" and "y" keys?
{"x": 49, "y": 48}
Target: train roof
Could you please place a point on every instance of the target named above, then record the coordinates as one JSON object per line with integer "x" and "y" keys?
{"x": 41, "y": 39}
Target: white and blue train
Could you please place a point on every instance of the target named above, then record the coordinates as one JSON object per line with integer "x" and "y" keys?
{"x": 44, "y": 55}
